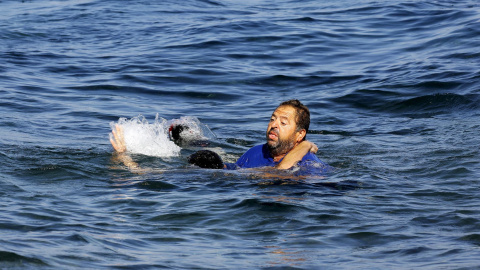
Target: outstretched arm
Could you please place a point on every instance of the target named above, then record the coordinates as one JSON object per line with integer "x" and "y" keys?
{"x": 117, "y": 140}
{"x": 296, "y": 154}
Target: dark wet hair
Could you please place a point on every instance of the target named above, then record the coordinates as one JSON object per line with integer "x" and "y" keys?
{"x": 206, "y": 159}
{"x": 302, "y": 117}
{"x": 175, "y": 131}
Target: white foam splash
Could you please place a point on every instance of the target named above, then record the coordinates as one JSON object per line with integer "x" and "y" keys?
{"x": 147, "y": 139}
{"x": 196, "y": 130}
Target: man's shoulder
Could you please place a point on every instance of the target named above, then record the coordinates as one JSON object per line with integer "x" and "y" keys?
{"x": 254, "y": 157}
{"x": 311, "y": 156}
{"x": 256, "y": 148}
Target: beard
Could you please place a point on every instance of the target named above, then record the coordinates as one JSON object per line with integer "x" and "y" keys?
{"x": 281, "y": 146}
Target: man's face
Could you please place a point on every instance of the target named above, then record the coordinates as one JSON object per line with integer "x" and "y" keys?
{"x": 281, "y": 131}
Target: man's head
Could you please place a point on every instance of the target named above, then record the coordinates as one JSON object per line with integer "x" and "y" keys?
{"x": 288, "y": 126}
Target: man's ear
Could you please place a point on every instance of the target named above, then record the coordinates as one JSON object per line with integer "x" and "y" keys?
{"x": 300, "y": 135}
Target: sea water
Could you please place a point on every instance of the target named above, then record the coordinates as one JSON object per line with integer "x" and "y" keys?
{"x": 393, "y": 91}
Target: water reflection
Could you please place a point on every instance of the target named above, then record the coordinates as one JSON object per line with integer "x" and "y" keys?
{"x": 285, "y": 257}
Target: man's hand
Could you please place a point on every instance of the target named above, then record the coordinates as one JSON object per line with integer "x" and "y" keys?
{"x": 313, "y": 147}
{"x": 118, "y": 140}
{"x": 296, "y": 154}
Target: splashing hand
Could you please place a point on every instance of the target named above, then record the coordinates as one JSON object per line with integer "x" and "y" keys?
{"x": 117, "y": 139}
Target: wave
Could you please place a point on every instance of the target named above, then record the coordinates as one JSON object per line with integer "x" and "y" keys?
{"x": 12, "y": 260}
{"x": 435, "y": 104}
{"x": 422, "y": 106}
{"x": 133, "y": 90}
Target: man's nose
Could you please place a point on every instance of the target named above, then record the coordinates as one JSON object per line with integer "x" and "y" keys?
{"x": 274, "y": 124}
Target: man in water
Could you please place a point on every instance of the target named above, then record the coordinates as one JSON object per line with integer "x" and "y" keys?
{"x": 286, "y": 144}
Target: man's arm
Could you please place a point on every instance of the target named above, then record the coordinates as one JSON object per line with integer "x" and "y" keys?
{"x": 296, "y": 154}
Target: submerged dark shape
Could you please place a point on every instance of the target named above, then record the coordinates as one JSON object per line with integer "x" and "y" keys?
{"x": 206, "y": 159}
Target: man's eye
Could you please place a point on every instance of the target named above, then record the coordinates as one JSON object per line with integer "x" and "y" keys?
{"x": 284, "y": 123}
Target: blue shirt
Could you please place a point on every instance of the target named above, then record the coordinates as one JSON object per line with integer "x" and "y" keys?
{"x": 259, "y": 156}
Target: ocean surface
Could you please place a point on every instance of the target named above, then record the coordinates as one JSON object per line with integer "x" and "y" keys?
{"x": 394, "y": 92}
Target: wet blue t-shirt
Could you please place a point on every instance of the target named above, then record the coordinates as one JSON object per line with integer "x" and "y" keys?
{"x": 259, "y": 156}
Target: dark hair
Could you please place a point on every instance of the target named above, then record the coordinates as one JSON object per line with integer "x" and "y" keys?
{"x": 302, "y": 117}
{"x": 206, "y": 159}
{"x": 175, "y": 131}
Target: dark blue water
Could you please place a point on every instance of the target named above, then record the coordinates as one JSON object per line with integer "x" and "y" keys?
{"x": 394, "y": 92}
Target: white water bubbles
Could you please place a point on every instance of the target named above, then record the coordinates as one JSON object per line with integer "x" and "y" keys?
{"x": 193, "y": 130}
{"x": 144, "y": 138}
